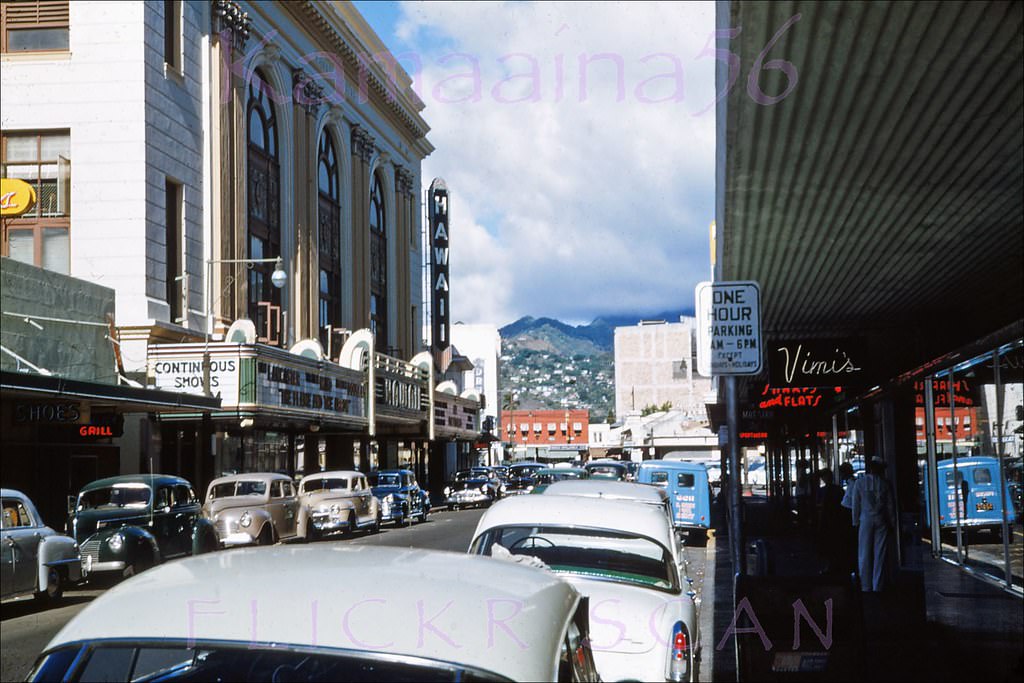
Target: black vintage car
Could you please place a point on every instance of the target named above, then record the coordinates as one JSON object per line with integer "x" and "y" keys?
{"x": 129, "y": 523}
{"x": 522, "y": 477}
{"x": 402, "y": 501}
{"x": 475, "y": 487}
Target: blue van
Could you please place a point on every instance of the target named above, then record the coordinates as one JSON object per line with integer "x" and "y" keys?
{"x": 981, "y": 506}
{"x": 688, "y": 491}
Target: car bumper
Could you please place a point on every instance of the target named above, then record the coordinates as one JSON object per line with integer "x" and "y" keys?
{"x": 329, "y": 524}
{"x": 466, "y": 498}
{"x": 91, "y": 567}
{"x": 236, "y": 539}
{"x": 518, "y": 492}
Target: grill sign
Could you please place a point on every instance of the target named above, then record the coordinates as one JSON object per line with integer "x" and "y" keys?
{"x": 439, "y": 227}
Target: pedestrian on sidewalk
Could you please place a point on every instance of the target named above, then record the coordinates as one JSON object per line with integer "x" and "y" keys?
{"x": 833, "y": 523}
{"x": 873, "y": 505}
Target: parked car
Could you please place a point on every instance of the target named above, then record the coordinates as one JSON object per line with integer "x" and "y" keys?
{"x": 260, "y": 508}
{"x": 521, "y": 477}
{"x": 475, "y": 487}
{"x": 607, "y": 469}
{"x": 336, "y": 501}
{"x": 689, "y": 492}
{"x": 607, "y": 489}
{"x": 34, "y": 559}
{"x": 979, "y": 498}
{"x": 401, "y": 499}
{"x": 549, "y": 475}
{"x": 619, "y": 555}
{"x": 130, "y": 523}
{"x": 382, "y": 614}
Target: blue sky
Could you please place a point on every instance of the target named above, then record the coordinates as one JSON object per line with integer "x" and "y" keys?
{"x": 578, "y": 144}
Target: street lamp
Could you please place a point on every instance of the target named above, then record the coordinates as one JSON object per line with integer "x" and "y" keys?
{"x": 278, "y": 278}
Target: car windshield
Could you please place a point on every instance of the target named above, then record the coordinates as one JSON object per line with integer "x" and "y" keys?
{"x": 325, "y": 484}
{"x": 551, "y": 477}
{"x": 588, "y": 553}
{"x": 604, "y": 471}
{"x": 119, "y": 495}
{"x": 249, "y": 487}
{"x": 196, "y": 661}
{"x": 470, "y": 474}
{"x": 388, "y": 480}
{"x": 525, "y": 470}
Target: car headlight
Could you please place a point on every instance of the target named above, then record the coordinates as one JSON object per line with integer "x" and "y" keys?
{"x": 335, "y": 509}
{"x": 116, "y": 542}
{"x": 245, "y": 520}
{"x": 483, "y": 489}
{"x": 503, "y": 489}
{"x": 447, "y": 490}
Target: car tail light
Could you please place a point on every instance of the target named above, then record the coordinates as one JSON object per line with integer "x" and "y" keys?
{"x": 679, "y": 654}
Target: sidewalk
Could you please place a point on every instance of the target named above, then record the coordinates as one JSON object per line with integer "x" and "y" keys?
{"x": 939, "y": 624}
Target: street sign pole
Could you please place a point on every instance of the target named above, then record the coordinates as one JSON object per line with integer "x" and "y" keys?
{"x": 729, "y": 344}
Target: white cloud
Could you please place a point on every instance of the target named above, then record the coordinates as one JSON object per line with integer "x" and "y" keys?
{"x": 586, "y": 198}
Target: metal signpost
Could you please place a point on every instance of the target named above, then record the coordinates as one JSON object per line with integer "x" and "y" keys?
{"x": 729, "y": 344}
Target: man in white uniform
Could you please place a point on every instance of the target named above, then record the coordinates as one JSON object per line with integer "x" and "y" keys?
{"x": 873, "y": 505}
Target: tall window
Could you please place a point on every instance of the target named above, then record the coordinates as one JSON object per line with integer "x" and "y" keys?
{"x": 378, "y": 266}
{"x": 264, "y": 210}
{"x": 41, "y": 236}
{"x": 34, "y": 26}
{"x": 328, "y": 227}
{"x": 172, "y": 33}
{"x": 173, "y": 241}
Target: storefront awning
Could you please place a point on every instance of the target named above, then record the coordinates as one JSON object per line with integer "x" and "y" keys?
{"x": 124, "y": 399}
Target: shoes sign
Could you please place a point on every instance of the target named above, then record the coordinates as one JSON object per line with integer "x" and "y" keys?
{"x": 728, "y": 328}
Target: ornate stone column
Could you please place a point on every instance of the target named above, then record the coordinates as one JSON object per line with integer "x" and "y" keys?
{"x": 362, "y": 151}
{"x": 404, "y": 206}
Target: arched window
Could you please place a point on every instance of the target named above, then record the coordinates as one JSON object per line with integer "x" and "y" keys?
{"x": 378, "y": 266}
{"x": 263, "y": 203}
{"x": 328, "y": 228}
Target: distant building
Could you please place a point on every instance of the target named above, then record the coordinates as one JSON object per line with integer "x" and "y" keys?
{"x": 546, "y": 434}
{"x": 656, "y": 367}
{"x": 481, "y": 345}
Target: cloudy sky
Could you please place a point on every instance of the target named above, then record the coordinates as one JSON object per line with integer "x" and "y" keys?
{"x": 577, "y": 141}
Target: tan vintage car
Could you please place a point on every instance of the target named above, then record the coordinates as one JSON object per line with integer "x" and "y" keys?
{"x": 337, "y": 501}
{"x": 257, "y": 508}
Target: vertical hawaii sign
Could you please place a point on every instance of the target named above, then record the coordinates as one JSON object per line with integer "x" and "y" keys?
{"x": 439, "y": 228}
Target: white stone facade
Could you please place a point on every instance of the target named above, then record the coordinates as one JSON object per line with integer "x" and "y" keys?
{"x": 655, "y": 364}
{"x": 481, "y": 344}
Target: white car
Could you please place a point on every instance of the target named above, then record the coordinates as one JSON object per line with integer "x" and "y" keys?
{"x": 617, "y": 553}
{"x": 34, "y": 559}
{"x": 341, "y": 500}
{"x": 609, "y": 489}
{"x": 258, "y": 508}
{"x": 328, "y": 613}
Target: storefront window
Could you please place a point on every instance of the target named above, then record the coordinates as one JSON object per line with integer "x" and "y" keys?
{"x": 978, "y": 433}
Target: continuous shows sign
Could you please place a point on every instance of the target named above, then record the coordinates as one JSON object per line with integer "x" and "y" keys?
{"x": 728, "y": 328}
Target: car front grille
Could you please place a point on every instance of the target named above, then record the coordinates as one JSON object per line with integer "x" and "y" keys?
{"x": 91, "y": 548}
{"x": 222, "y": 527}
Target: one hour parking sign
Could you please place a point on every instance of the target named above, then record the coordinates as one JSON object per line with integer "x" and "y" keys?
{"x": 728, "y": 328}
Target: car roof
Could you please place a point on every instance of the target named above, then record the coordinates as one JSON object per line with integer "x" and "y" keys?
{"x": 968, "y": 461}
{"x": 259, "y": 476}
{"x": 558, "y": 470}
{"x": 673, "y": 465}
{"x": 149, "y": 479}
{"x": 401, "y": 601}
{"x": 527, "y": 463}
{"x": 12, "y": 493}
{"x": 614, "y": 515}
{"x": 348, "y": 474}
{"x": 603, "y": 463}
{"x": 608, "y": 489}
{"x": 393, "y": 471}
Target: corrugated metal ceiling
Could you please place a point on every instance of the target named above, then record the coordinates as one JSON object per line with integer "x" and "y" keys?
{"x": 884, "y": 193}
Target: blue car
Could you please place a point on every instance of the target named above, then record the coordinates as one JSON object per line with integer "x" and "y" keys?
{"x": 688, "y": 490}
{"x": 981, "y": 506}
{"x": 401, "y": 499}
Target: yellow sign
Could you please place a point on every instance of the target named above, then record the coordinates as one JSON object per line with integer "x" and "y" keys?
{"x": 16, "y": 197}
